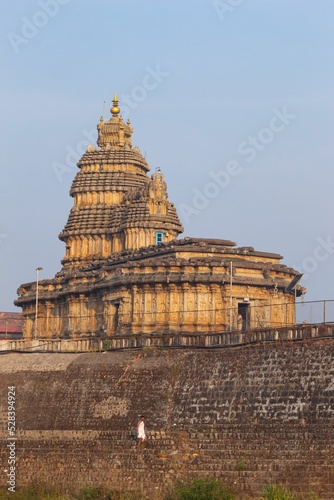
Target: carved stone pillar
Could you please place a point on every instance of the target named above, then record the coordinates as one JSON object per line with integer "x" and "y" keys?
{"x": 48, "y": 319}
{"x": 84, "y": 320}
{"x": 73, "y": 317}
{"x": 216, "y": 306}
{"x": 135, "y": 308}
{"x": 196, "y": 306}
{"x": 62, "y": 318}
{"x": 202, "y": 301}
{"x": 147, "y": 308}
{"x": 125, "y": 312}
{"x": 185, "y": 314}
{"x": 173, "y": 309}
{"x": 28, "y": 324}
{"x": 190, "y": 308}
{"x": 160, "y": 306}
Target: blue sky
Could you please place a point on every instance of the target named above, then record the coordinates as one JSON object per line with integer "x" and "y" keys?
{"x": 232, "y": 100}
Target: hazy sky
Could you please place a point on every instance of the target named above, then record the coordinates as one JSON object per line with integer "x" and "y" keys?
{"x": 232, "y": 99}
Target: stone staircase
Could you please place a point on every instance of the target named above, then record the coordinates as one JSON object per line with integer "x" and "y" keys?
{"x": 244, "y": 462}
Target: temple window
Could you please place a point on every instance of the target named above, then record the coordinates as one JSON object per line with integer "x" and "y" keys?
{"x": 159, "y": 238}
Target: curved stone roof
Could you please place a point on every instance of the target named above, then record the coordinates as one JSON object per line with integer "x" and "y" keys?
{"x": 117, "y": 167}
{"x": 94, "y": 218}
{"x": 123, "y": 156}
{"x": 97, "y": 219}
{"x": 106, "y": 180}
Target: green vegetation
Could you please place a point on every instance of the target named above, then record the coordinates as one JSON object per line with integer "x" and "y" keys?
{"x": 91, "y": 493}
{"x": 241, "y": 464}
{"x": 200, "y": 489}
{"x": 274, "y": 492}
{"x": 197, "y": 489}
{"x": 106, "y": 345}
{"x": 43, "y": 492}
{"x": 33, "y": 492}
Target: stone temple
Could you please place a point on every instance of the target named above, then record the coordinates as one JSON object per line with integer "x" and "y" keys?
{"x": 125, "y": 270}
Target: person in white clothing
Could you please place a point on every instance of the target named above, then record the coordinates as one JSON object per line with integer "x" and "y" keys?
{"x": 141, "y": 431}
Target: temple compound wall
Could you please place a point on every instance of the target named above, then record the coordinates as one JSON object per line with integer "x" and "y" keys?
{"x": 125, "y": 270}
{"x": 250, "y": 415}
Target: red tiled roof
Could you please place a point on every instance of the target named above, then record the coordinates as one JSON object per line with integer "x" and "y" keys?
{"x": 11, "y": 322}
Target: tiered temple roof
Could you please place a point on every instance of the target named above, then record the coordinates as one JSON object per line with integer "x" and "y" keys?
{"x": 115, "y": 199}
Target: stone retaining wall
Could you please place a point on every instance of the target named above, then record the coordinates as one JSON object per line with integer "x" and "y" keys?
{"x": 251, "y": 415}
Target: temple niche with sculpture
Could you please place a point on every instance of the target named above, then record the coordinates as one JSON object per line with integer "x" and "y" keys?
{"x": 125, "y": 270}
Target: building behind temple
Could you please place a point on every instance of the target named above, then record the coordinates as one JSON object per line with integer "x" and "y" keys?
{"x": 124, "y": 270}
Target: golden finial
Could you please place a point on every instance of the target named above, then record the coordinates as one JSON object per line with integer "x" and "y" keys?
{"x": 115, "y": 109}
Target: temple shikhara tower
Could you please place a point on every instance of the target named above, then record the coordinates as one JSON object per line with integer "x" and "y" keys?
{"x": 124, "y": 270}
{"x": 117, "y": 206}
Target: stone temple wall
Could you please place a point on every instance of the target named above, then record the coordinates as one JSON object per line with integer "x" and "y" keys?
{"x": 249, "y": 415}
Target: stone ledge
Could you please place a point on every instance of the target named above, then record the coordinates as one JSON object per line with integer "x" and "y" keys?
{"x": 170, "y": 340}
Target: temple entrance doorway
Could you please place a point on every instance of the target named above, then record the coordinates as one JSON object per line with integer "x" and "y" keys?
{"x": 112, "y": 317}
{"x": 243, "y": 316}
{"x": 115, "y": 319}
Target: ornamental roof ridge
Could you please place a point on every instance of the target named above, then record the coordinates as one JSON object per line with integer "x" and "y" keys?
{"x": 114, "y": 133}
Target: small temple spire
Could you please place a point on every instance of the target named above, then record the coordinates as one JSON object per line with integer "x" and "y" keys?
{"x": 115, "y": 109}
{"x": 114, "y": 132}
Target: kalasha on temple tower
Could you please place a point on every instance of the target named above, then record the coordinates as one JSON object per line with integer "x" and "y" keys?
{"x": 126, "y": 272}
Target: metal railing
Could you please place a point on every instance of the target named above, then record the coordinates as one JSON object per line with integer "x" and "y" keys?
{"x": 315, "y": 311}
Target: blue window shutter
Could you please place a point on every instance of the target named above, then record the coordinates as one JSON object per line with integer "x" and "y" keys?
{"x": 159, "y": 237}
